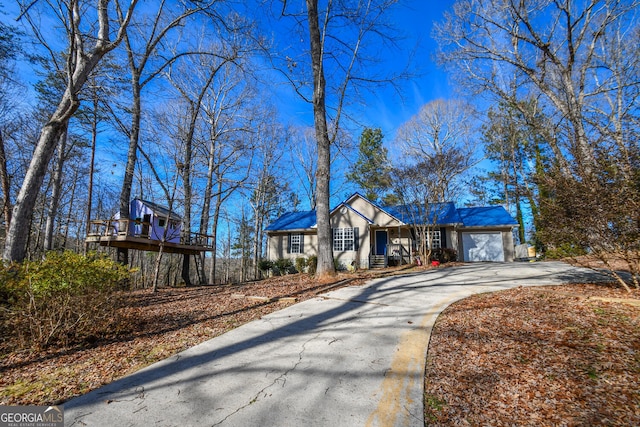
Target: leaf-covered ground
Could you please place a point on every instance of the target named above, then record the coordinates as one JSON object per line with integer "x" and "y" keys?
{"x": 528, "y": 356}
{"x": 562, "y": 356}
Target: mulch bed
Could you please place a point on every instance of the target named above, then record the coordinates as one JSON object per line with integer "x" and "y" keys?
{"x": 564, "y": 355}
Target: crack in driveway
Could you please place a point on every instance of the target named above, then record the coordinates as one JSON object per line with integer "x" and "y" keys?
{"x": 280, "y": 378}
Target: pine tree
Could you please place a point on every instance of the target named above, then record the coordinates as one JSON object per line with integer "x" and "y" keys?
{"x": 371, "y": 170}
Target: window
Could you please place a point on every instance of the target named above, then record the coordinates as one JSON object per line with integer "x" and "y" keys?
{"x": 295, "y": 243}
{"x": 162, "y": 222}
{"x": 348, "y": 239}
{"x": 345, "y": 239}
{"x": 338, "y": 239}
{"x": 436, "y": 243}
{"x": 435, "y": 238}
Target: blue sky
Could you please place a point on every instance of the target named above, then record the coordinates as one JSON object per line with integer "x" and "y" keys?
{"x": 430, "y": 83}
{"x": 385, "y": 107}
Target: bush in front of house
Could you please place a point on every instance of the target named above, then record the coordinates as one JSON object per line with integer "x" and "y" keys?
{"x": 283, "y": 266}
{"x": 301, "y": 264}
{"x": 444, "y": 255}
{"x": 62, "y": 300}
{"x": 312, "y": 265}
{"x": 265, "y": 266}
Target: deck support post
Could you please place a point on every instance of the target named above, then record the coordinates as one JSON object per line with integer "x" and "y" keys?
{"x": 185, "y": 270}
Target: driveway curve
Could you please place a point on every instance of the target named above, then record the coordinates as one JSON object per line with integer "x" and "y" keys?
{"x": 351, "y": 357}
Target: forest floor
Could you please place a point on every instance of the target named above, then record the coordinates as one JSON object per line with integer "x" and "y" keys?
{"x": 561, "y": 355}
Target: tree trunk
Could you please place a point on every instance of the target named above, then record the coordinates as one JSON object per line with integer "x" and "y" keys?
{"x": 6, "y": 185}
{"x": 70, "y": 211}
{"x": 156, "y": 268}
{"x": 214, "y": 236}
{"x": 132, "y": 156}
{"x": 323, "y": 173}
{"x": 94, "y": 137}
{"x": 56, "y": 188}
{"x": 214, "y": 246}
{"x": 257, "y": 227}
{"x": 20, "y": 226}
{"x": 204, "y": 218}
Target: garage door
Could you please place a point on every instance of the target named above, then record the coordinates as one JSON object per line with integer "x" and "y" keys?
{"x": 482, "y": 247}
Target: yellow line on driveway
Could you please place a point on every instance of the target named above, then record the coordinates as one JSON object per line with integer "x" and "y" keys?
{"x": 407, "y": 367}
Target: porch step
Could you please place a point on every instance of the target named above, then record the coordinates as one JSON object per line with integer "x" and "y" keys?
{"x": 377, "y": 261}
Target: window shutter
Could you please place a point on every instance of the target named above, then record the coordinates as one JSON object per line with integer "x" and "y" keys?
{"x": 301, "y": 243}
{"x": 356, "y": 238}
{"x": 443, "y": 238}
{"x": 289, "y": 243}
{"x": 333, "y": 239}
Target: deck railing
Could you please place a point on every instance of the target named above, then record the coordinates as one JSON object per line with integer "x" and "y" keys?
{"x": 142, "y": 229}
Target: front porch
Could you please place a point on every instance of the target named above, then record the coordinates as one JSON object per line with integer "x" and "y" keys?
{"x": 396, "y": 255}
{"x": 390, "y": 247}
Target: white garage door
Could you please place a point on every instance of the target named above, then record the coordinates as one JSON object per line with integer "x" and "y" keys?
{"x": 482, "y": 247}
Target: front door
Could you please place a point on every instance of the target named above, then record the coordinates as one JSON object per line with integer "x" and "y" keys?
{"x": 381, "y": 242}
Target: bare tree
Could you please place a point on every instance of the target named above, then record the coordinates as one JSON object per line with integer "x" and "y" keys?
{"x": 87, "y": 44}
{"x": 335, "y": 63}
{"x": 568, "y": 52}
{"x": 440, "y": 135}
{"x": 416, "y": 187}
{"x": 56, "y": 184}
{"x": 145, "y": 65}
{"x": 270, "y": 185}
{"x": 194, "y": 79}
{"x": 225, "y": 146}
{"x": 304, "y": 157}
{"x": 578, "y": 60}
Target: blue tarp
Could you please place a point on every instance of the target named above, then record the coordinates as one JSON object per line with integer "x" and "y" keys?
{"x": 293, "y": 221}
{"x": 489, "y": 216}
{"x": 438, "y": 214}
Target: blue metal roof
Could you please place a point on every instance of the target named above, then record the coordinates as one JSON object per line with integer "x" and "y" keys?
{"x": 293, "y": 221}
{"x": 489, "y": 216}
{"x": 438, "y": 213}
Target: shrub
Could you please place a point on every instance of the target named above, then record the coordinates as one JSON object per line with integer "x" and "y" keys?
{"x": 312, "y": 265}
{"x": 64, "y": 299}
{"x": 283, "y": 266}
{"x": 443, "y": 255}
{"x": 301, "y": 264}
{"x": 265, "y": 265}
{"x": 565, "y": 250}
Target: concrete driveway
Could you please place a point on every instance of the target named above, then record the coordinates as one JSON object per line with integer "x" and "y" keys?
{"x": 352, "y": 357}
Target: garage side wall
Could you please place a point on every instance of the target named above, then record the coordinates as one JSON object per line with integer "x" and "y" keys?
{"x": 509, "y": 246}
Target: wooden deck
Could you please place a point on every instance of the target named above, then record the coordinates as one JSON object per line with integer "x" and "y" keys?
{"x": 107, "y": 233}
